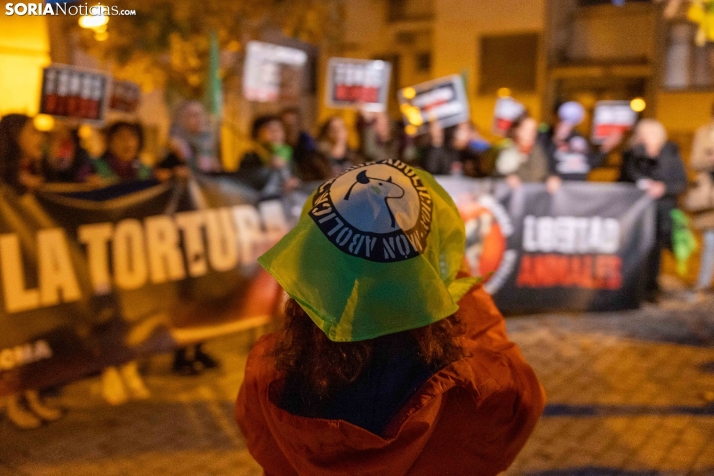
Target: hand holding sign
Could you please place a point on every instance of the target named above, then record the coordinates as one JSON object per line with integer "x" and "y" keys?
{"x": 272, "y": 71}
{"x": 612, "y": 118}
{"x": 442, "y": 100}
{"x": 361, "y": 84}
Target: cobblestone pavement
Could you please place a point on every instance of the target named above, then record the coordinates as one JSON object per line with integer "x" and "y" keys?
{"x": 628, "y": 393}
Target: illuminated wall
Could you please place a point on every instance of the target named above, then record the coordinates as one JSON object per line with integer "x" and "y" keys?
{"x": 459, "y": 24}
{"x": 24, "y": 50}
{"x": 453, "y": 32}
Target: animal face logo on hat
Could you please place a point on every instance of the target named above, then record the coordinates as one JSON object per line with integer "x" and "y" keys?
{"x": 379, "y": 211}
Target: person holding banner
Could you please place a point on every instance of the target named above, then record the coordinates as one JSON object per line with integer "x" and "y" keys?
{"x": 334, "y": 154}
{"x": 21, "y": 150}
{"x": 391, "y": 360}
{"x": 66, "y": 160}
{"x": 377, "y": 138}
{"x": 700, "y": 201}
{"x": 269, "y": 167}
{"x": 121, "y": 161}
{"x": 450, "y": 151}
{"x": 192, "y": 141}
{"x": 440, "y": 158}
{"x": 21, "y": 147}
{"x": 569, "y": 154}
{"x": 521, "y": 158}
{"x": 299, "y": 140}
{"x": 654, "y": 165}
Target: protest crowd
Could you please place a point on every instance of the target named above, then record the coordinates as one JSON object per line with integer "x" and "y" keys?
{"x": 286, "y": 154}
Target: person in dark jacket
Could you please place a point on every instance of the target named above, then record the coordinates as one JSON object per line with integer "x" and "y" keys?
{"x": 389, "y": 362}
{"x": 21, "y": 151}
{"x": 66, "y": 160}
{"x": 655, "y": 166}
{"x": 269, "y": 167}
{"x": 302, "y": 143}
{"x": 569, "y": 154}
{"x": 439, "y": 157}
{"x": 333, "y": 155}
{"x": 456, "y": 150}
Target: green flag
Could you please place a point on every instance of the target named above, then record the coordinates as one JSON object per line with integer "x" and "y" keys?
{"x": 683, "y": 241}
{"x": 376, "y": 251}
{"x": 214, "y": 87}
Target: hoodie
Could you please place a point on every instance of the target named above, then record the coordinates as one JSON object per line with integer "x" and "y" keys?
{"x": 470, "y": 418}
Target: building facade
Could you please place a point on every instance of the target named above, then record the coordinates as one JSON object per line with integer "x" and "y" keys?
{"x": 544, "y": 52}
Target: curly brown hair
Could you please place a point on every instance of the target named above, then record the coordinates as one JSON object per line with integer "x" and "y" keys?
{"x": 320, "y": 368}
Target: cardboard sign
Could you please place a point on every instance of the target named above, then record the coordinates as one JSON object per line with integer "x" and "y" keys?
{"x": 355, "y": 83}
{"x": 506, "y": 111}
{"x": 72, "y": 92}
{"x": 125, "y": 96}
{"x": 442, "y": 100}
{"x": 272, "y": 72}
{"x": 612, "y": 117}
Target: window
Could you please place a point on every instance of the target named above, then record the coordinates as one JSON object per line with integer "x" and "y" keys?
{"x": 422, "y": 62}
{"x": 509, "y": 61}
{"x": 410, "y": 10}
{"x": 687, "y": 66}
{"x": 590, "y": 3}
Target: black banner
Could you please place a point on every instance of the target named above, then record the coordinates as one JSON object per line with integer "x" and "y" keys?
{"x": 92, "y": 278}
{"x": 584, "y": 248}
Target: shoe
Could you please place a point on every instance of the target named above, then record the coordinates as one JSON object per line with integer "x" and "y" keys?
{"x": 37, "y": 406}
{"x": 20, "y": 416}
{"x": 113, "y": 389}
{"x": 205, "y": 360}
{"x": 134, "y": 382}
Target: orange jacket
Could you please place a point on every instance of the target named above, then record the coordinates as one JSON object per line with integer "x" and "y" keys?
{"x": 470, "y": 418}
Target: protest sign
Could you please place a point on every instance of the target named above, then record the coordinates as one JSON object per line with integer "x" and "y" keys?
{"x": 72, "y": 92}
{"x": 612, "y": 117}
{"x": 125, "y": 96}
{"x": 361, "y": 84}
{"x": 272, "y": 72}
{"x": 442, "y": 100}
{"x": 506, "y": 111}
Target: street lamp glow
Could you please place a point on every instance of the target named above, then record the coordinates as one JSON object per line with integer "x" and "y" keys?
{"x": 85, "y": 131}
{"x": 409, "y": 93}
{"x": 44, "y": 122}
{"x": 638, "y": 104}
{"x": 93, "y": 21}
{"x": 414, "y": 116}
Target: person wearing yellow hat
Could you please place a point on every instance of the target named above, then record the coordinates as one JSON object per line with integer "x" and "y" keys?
{"x": 391, "y": 360}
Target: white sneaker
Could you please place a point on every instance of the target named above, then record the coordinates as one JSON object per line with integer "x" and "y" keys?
{"x": 113, "y": 389}
{"x": 20, "y": 416}
{"x": 37, "y": 406}
{"x": 133, "y": 381}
